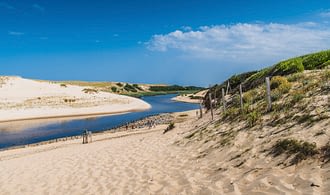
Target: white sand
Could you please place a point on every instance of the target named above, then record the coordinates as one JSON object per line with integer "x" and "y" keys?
{"x": 186, "y": 98}
{"x": 23, "y": 99}
{"x": 150, "y": 162}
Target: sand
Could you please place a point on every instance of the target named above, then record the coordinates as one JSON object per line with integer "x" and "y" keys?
{"x": 136, "y": 162}
{"x": 146, "y": 161}
{"x": 193, "y": 158}
{"x": 23, "y": 99}
{"x": 187, "y": 97}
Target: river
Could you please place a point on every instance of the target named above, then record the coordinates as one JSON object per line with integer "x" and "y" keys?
{"x": 28, "y": 132}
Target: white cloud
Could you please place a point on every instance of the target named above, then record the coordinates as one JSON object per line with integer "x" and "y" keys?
{"x": 325, "y": 14}
{"x": 6, "y": 6}
{"x": 38, "y": 7}
{"x": 14, "y": 33}
{"x": 245, "y": 42}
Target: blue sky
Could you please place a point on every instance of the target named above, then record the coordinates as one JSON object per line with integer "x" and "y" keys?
{"x": 195, "y": 42}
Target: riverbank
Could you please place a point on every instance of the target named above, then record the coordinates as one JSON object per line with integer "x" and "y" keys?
{"x": 25, "y": 99}
{"x": 139, "y": 160}
{"x": 193, "y": 98}
{"x": 198, "y": 156}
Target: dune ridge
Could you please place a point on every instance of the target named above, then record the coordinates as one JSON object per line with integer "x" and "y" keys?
{"x": 25, "y": 99}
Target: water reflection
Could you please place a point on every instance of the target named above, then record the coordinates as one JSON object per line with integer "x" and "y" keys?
{"x": 27, "y": 132}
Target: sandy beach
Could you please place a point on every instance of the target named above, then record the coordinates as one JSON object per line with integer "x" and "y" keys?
{"x": 24, "y": 99}
{"x": 146, "y": 161}
{"x": 187, "y": 98}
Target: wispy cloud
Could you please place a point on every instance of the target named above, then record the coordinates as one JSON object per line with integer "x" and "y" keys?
{"x": 6, "y": 6}
{"x": 245, "y": 42}
{"x": 15, "y": 33}
{"x": 325, "y": 14}
{"x": 38, "y": 7}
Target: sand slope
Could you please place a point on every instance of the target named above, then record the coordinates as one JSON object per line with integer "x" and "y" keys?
{"x": 150, "y": 162}
{"x": 27, "y": 99}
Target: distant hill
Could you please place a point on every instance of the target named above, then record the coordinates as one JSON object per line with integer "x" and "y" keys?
{"x": 135, "y": 90}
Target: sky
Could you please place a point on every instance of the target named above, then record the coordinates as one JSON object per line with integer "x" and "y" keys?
{"x": 186, "y": 42}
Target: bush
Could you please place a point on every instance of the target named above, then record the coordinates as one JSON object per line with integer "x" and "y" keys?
{"x": 253, "y": 118}
{"x": 249, "y": 96}
{"x": 280, "y": 86}
{"x": 316, "y": 60}
{"x": 289, "y": 66}
{"x": 114, "y": 89}
{"x": 277, "y": 81}
{"x": 137, "y": 87}
{"x": 297, "y": 96}
{"x": 119, "y": 84}
{"x": 63, "y": 85}
{"x": 129, "y": 88}
{"x": 231, "y": 113}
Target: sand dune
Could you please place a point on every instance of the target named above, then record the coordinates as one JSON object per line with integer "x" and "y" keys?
{"x": 146, "y": 161}
{"x": 29, "y": 99}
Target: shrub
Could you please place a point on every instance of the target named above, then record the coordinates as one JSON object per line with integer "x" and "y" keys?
{"x": 297, "y": 96}
{"x": 280, "y": 86}
{"x": 231, "y": 113}
{"x": 114, "y": 89}
{"x": 119, "y": 84}
{"x": 316, "y": 60}
{"x": 326, "y": 64}
{"x": 289, "y": 66}
{"x": 276, "y": 81}
{"x": 63, "y": 85}
{"x": 136, "y": 86}
{"x": 300, "y": 149}
{"x": 129, "y": 88}
{"x": 253, "y": 118}
{"x": 249, "y": 96}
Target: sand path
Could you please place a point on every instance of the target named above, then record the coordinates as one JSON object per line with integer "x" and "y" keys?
{"x": 143, "y": 163}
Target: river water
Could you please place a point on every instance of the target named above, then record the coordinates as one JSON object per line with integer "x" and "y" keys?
{"x": 28, "y": 132}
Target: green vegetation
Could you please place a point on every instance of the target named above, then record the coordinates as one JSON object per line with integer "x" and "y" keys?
{"x": 317, "y": 60}
{"x": 114, "y": 89}
{"x": 137, "y": 87}
{"x": 130, "y": 88}
{"x": 172, "y": 88}
{"x": 253, "y": 118}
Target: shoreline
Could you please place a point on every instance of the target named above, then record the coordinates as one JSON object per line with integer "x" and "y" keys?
{"x": 117, "y": 129}
{"x": 25, "y": 99}
{"x": 76, "y": 116}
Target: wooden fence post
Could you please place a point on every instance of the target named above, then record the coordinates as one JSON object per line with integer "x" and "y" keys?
{"x": 211, "y": 106}
{"x": 223, "y": 99}
{"x": 228, "y": 87}
{"x": 200, "y": 109}
{"x": 269, "y": 100}
{"x": 241, "y": 97}
{"x": 215, "y": 96}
